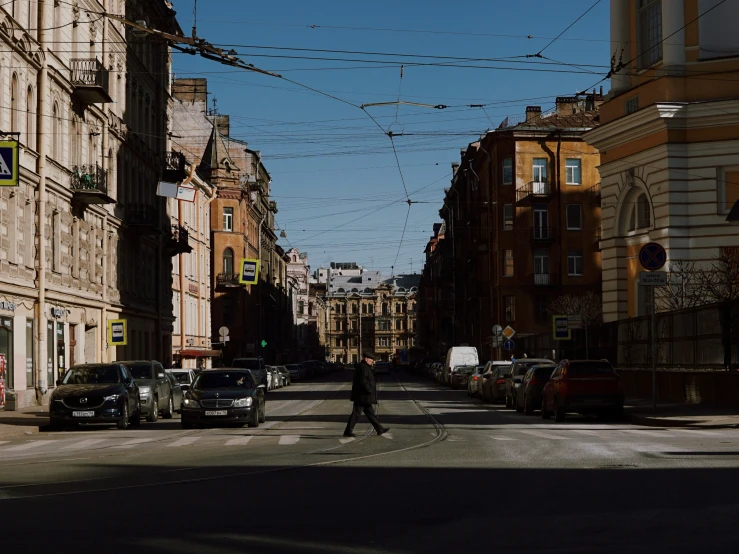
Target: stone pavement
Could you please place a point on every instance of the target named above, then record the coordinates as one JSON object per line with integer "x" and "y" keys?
{"x": 681, "y": 415}
{"x": 26, "y": 421}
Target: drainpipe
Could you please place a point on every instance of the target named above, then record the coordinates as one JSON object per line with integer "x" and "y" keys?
{"x": 490, "y": 237}
{"x": 43, "y": 109}
{"x": 181, "y": 260}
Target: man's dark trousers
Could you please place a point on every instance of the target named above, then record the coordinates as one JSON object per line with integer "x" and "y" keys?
{"x": 369, "y": 412}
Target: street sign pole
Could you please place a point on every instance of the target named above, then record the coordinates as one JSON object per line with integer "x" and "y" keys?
{"x": 653, "y": 257}
{"x": 654, "y": 351}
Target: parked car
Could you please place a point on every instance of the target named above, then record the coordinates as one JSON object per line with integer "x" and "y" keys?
{"x": 493, "y": 385}
{"x": 154, "y": 388}
{"x": 285, "y": 374}
{"x": 528, "y": 397}
{"x": 474, "y": 384}
{"x": 518, "y": 370}
{"x": 177, "y": 393}
{"x": 184, "y": 377}
{"x": 461, "y": 375}
{"x": 95, "y": 393}
{"x": 439, "y": 373}
{"x": 256, "y": 365}
{"x": 582, "y": 386}
{"x": 296, "y": 372}
{"x": 224, "y": 396}
{"x": 459, "y": 356}
{"x": 383, "y": 368}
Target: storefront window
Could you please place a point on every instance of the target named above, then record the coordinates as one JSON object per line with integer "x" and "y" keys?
{"x": 6, "y": 349}
{"x": 29, "y": 353}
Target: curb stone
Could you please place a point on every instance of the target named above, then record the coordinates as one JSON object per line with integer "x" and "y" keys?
{"x": 648, "y": 421}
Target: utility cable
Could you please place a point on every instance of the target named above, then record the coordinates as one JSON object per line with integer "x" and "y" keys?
{"x": 538, "y": 54}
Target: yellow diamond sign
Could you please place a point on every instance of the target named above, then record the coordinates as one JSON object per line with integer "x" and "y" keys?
{"x": 508, "y": 332}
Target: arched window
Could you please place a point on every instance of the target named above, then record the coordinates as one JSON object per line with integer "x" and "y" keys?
{"x": 14, "y": 110}
{"x": 56, "y": 135}
{"x": 643, "y": 217}
{"x": 30, "y": 134}
{"x": 228, "y": 261}
{"x": 74, "y": 143}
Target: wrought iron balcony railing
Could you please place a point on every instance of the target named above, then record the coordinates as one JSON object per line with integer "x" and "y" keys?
{"x": 89, "y": 183}
{"x": 534, "y": 190}
{"x": 228, "y": 280}
{"x": 543, "y": 233}
{"x": 91, "y": 81}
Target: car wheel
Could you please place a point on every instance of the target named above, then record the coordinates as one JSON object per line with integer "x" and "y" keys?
{"x": 519, "y": 408}
{"x": 135, "y": 419}
{"x": 167, "y": 413}
{"x": 254, "y": 421}
{"x": 528, "y": 405}
{"x": 153, "y": 414}
{"x": 544, "y": 412}
{"x": 123, "y": 422}
{"x": 263, "y": 414}
{"x": 559, "y": 411}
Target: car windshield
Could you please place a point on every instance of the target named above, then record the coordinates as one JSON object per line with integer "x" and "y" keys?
{"x": 223, "y": 380}
{"x": 466, "y": 369}
{"x": 247, "y": 363}
{"x": 141, "y": 371}
{"x": 576, "y": 369}
{"x": 182, "y": 376}
{"x": 107, "y": 374}
{"x": 523, "y": 367}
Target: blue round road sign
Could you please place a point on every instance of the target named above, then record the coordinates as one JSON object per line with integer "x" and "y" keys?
{"x": 652, "y": 256}
{"x": 509, "y": 345}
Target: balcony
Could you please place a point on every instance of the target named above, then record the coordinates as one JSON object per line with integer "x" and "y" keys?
{"x": 228, "y": 280}
{"x": 174, "y": 167}
{"x": 89, "y": 183}
{"x": 594, "y": 191}
{"x": 91, "y": 81}
{"x": 533, "y": 191}
{"x": 597, "y": 237}
{"x": 178, "y": 241}
{"x": 543, "y": 234}
{"x": 142, "y": 219}
{"x": 544, "y": 279}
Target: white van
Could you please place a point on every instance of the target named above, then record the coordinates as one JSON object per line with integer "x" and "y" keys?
{"x": 458, "y": 356}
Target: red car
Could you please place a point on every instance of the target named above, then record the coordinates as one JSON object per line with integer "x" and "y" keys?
{"x": 582, "y": 386}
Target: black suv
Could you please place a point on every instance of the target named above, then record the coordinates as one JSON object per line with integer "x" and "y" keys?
{"x": 257, "y": 367}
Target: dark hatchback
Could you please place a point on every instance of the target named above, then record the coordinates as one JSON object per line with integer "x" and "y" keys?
{"x": 224, "y": 396}
{"x": 95, "y": 393}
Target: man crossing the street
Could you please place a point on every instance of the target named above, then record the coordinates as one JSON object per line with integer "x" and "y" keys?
{"x": 364, "y": 395}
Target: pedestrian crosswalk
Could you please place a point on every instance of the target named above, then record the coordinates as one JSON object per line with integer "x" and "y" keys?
{"x": 510, "y": 433}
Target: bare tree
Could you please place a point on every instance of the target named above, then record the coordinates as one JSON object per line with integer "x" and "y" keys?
{"x": 588, "y": 306}
{"x": 684, "y": 288}
{"x": 720, "y": 285}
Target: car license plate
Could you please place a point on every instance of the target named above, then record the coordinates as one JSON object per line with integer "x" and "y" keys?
{"x": 216, "y": 412}
{"x": 83, "y": 414}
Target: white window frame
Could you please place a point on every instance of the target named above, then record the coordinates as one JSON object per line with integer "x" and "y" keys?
{"x": 573, "y": 256}
{"x": 228, "y": 219}
{"x": 539, "y": 172}
{"x": 570, "y": 226}
{"x": 646, "y": 11}
{"x": 572, "y": 165}
{"x": 507, "y": 167}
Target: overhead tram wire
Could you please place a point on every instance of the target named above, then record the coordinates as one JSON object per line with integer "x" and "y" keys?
{"x": 538, "y": 54}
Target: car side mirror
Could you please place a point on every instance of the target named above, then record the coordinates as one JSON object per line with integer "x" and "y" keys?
{"x": 58, "y": 382}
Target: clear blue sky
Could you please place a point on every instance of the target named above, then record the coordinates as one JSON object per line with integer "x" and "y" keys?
{"x": 331, "y": 165}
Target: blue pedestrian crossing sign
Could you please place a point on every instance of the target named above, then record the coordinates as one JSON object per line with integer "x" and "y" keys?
{"x": 8, "y": 163}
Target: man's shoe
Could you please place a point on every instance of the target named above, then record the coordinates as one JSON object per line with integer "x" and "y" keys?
{"x": 350, "y": 434}
{"x": 383, "y": 430}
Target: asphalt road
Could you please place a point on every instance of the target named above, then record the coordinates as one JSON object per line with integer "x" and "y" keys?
{"x": 453, "y": 475}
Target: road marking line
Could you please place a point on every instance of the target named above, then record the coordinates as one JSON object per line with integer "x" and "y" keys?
{"x": 184, "y": 441}
{"x": 503, "y": 439}
{"x": 28, "y": 446}
{"x": 544, "y": 435}
{"x": 288, "y": 439}
{"x": 4, "y": 442}
{"x": 241, "y": 441}
{"x": 83, "y": 444}
{"x": 133, "y": 443}
{"x": 699, "y": 432}
{"x": 647, "y": 433}
{"x": 588, "y": 433}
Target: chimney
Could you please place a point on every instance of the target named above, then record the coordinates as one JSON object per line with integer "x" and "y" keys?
{"x": 533, "y": 113}
{"x": 461, "y": 153}
{"x": 567, "y": 105}
{"x": 455, "y": 168}
{"x": 190, "y": 90}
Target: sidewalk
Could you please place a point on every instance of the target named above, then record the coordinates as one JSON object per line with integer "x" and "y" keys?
{"x": 26, "y": 421}
{"x": 681, "y": 415}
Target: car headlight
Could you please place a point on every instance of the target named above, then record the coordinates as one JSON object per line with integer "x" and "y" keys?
{"x": 243, "y": 402}
{"x": 112, "y": 398}
{"x": 190, "y": 403}
{"x": 144, "y": 391}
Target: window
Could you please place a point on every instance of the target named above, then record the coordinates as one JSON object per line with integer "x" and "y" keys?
{"x": 228, "y": 261}
{"x": 14, "y": 108}
{"x": 382, "y": 325}
{"x": 631, "y": 105}
{"x": 228, "y": 219}
{"x": 371, "y": 308}
{"x": 56, "y": 134}
{"x": 398, "y": 309}
{"x": 355, "y": 309}
{"x": 507, "y": 217}
{"x": 541, "y": 267}
{"x": 383, "y": 341}
{"x": 573, "y": 169}
{"x": 30, "y": 109}
{"x": 643, "y": 219}
{"x": 540, "y": 308}
{"x": 574, "y": 217}
{"x": 384, "y": 308}
{"x": 574, "y": 262}
{"x": 508, "y": 171}
{"x": 650, "y": 31}
{"x": 540, "y": 170}
{"x": 508, "y": 263}
{"x": 509, "y": 303}
{"x": 364, "y": 308}
{"x": 301, "y": 307}
{"x": 398, "y": 325}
